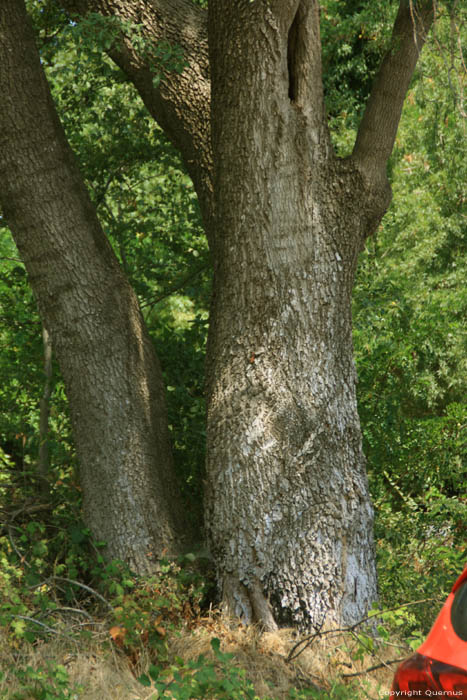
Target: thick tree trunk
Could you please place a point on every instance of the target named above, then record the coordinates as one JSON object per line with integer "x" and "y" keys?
{"x": 288, "y": 510}
{"x": 111, "y": 373}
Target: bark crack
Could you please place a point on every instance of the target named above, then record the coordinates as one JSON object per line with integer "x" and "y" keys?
{"x": 292, "y": 42}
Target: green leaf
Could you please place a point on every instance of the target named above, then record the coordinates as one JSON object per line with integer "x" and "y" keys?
{"x": 144, "y": 680}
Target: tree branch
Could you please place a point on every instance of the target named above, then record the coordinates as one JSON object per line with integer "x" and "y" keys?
{"x": 42, "y": 624}
{"x": 85, "y": 588}
{"x": 181, "y": 102}
{"x": 175, "y": 287}
{"x": 378, "y": 128}
{"x": 374, "y": 668}
{"x": 306, "y": 642}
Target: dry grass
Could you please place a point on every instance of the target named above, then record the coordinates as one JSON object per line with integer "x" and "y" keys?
{"x": 264, "y": 656}
{"x": 105, "y": 673}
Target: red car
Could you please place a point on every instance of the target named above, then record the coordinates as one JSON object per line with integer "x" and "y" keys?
{"x": 439, "y": 668}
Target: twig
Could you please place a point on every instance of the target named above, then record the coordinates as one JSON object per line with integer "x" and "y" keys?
{"x": 373, "y": 668}
{"x": 307, "y": 641}
{"x": 151, "y": 695}
{"x": 20, "y": 556}
{"x": 101, "y": 198}
{"x": 42, "y": 624}
{"x": 368, "y": 649}
{"x": 174, "y": 288}
{"x": 30, "y": 507}
{"x": 86, "y": 588}
{"x": 396, "y": 646}
{"x": 70, "y": 610}
{"x": 306, "y": 678}
{"x": 377, "y": 613}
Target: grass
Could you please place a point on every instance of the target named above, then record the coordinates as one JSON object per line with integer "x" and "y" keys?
{"x": 95, "y": 667}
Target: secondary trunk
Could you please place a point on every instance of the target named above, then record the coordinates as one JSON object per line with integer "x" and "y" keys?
{"x": 111, "y": 373}
{"x": 288, "y": 510}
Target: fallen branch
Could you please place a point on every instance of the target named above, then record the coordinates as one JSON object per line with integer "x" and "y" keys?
{"x": 86, "y": 588}
{"x": 70, "y": 610}
{"x": 42, "y": 624}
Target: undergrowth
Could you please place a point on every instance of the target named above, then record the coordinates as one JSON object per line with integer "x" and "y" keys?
{"x": 57, "y": 588}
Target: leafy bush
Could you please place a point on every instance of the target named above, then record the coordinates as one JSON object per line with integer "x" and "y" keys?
{"x": 48, "y": 683}
{"x": 201, "y": 679}
{"x": 146, "y": 609}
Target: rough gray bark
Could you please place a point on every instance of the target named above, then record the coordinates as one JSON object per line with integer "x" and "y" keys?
{"x": 111, "y": 373}
{"x": 288, "y": 504}
{"x": 288, "y": 510}
{"x": 288, "y": 513}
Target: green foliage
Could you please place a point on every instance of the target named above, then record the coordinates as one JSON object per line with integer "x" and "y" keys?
{"x": 410, "y": 303}
{"x": 95, "y": 34}
{"x": 31, "y": 562}
{"x": 146, "y": 609}
{"x": 49, "y": 683}
{"x": 182, "y": 353}
{"x": 355, "y": 36}
{"x": 21, "y": 386}
{"x": 20, "y": 356}
{"x": 201, "y": 678}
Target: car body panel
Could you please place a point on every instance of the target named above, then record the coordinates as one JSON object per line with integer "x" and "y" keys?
{"x": 442, "y": 643}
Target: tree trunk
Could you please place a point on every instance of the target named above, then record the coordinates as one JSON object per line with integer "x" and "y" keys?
{"x": 111, "y": 373}
{"x": 288, "y": 510}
